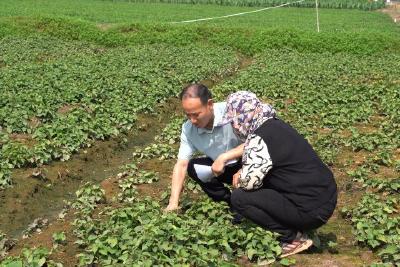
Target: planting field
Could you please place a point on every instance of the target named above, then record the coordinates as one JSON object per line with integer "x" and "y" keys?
{"x": 110, "y": 13}
{"x": 90, "y": 125}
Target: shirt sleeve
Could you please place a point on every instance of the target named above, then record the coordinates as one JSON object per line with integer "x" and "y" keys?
{"x": 186, "y": 148}
{"x": 256, "y": 163}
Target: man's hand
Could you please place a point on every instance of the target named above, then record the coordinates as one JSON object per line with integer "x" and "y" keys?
{"x": 178, "y": 179}
{"x": 218, "y": 166}
{"x": 171, "y": 207}
{"x": 235, "y": 179}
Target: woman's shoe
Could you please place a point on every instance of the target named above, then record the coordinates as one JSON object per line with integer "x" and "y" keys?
{"x": 300, "y": 243}
{"x": 237, "y": 217}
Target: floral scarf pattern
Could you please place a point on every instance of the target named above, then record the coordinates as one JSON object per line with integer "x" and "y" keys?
{"x": 246, "y": 113}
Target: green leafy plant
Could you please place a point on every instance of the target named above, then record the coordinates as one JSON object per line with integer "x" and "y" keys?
{"x": 160, "y": 151}
{"x": 59, "y": 238}
{"x": 141, "y": 234}
{"x": 88, "y": 197}
{"x": 376, "y": 224}
{"x": 128, "y": 191}
{"x": 36, "y": 257}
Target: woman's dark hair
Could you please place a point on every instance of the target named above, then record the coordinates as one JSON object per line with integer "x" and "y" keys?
{"x": 196, "y": 90}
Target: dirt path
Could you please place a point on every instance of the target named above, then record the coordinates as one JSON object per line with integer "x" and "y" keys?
{"x": 393, "y": 10}
{"x": 41, "y": 192}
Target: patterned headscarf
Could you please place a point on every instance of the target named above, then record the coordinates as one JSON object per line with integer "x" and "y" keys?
{"x": 246, "y": 113}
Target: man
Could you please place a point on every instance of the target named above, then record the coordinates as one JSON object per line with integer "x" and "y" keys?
{"x": 201, "y": 133}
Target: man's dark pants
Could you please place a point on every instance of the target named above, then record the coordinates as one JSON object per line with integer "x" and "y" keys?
{"x": 216, "y": 188}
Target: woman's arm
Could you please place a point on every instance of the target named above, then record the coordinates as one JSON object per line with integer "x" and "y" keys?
{"x": 256, "y": 163}
{"x": 219, "y": 164}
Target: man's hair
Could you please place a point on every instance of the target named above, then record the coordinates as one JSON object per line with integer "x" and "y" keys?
{"x": 196, "y": 90}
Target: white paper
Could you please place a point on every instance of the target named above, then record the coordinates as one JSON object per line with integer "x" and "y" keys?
{"x": 204, "y": 172}
{"x": 231, "y": 162}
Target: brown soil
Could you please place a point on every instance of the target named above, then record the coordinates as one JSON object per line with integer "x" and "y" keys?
{"x": 67, "y": 108}
{"x": 104, "y": 26}
{"x": 164, "y": 170}
{"x": 41, "y": 192}
{"x": 346, "y": 253}
{"x": 387, "y": 172}
{"x": 65, "y": 252}
{"x": 104, "y": 159}
{"x": 393, "y": 11}
{"x": 355, "y": 159}
{"x": 25, "y": 139}
{"x": 396, "y": 155}
{"x": 34, "y": 122}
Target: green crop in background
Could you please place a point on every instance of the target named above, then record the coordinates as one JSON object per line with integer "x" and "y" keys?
{"x": 127, "y": 12}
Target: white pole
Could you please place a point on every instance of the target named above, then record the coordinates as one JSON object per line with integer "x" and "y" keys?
{"x": 316, "y": 8}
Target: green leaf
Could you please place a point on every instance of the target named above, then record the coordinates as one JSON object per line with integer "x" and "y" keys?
{"x": 287, "y": 262}
{"x": 15, "y": 263}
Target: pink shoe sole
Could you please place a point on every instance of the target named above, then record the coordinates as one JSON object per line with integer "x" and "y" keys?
{"x": 304, "y": 245}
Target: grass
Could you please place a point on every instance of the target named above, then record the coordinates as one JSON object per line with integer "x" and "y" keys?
{"x": 300, "y": 19}
{"x": 121, "y": 23}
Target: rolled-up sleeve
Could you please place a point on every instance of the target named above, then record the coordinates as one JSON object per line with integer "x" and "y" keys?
{"x": 186, "y": 149}
{"x": 256, "y": 163}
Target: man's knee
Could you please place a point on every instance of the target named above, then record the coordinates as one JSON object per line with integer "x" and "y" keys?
{"x": 238, "y": 199}
{"x": 190, "y": 169}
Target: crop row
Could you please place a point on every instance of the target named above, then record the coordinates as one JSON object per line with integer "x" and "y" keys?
{"x": 341, "y": 31}
{"x": 140, "y": 234}
{"x": 342, "y": 102}
{"x": 51, "y": 108}
{"x": 133, "y": 230}
{"x": 323, "y": 95}
{"x": 339, "y": 102}
{"x": 340, "y": 4}
{"x": 376, "y": 217}
{"x": 114, "y": 236}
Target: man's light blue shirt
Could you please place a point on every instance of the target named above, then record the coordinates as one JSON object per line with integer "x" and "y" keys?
{"x": 211, "y": 143}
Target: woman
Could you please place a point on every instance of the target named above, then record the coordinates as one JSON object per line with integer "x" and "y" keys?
{"x": 283, "y": 185}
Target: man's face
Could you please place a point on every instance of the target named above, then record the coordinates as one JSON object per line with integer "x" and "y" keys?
{"x": 200, "y": 115}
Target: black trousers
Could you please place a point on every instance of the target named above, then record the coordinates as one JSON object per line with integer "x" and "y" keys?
{"x": 215, "y": 189}
{"x": 272, "y": 211}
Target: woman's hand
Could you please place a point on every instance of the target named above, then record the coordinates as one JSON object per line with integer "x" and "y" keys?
{"x": 235, "y": 179}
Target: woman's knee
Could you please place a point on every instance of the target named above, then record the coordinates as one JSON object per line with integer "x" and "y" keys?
{"x": 238, "y": 199}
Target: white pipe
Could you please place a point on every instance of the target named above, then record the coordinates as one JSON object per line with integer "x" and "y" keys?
{"x": 316, "y": 8}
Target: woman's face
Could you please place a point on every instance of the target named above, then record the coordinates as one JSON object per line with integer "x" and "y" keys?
{"x": 237, "y": 129}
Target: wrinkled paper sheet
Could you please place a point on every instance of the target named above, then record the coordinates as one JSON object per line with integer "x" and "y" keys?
{"x": 204, "y": 172}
